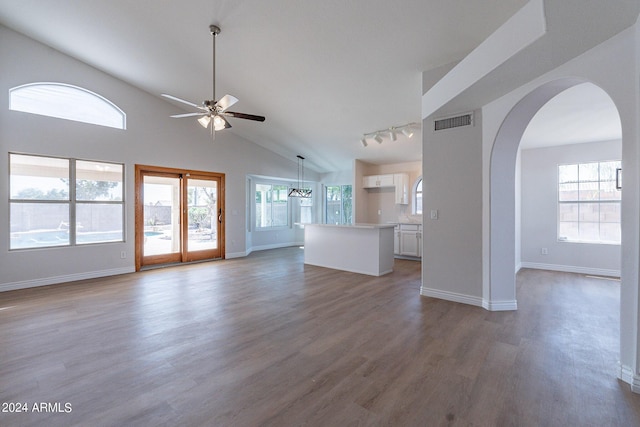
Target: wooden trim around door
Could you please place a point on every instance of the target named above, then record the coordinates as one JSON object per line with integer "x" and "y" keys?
{"x": 140, "y": 172}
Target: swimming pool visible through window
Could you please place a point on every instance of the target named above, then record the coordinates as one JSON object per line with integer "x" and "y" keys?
{"x": 67, "y": 102}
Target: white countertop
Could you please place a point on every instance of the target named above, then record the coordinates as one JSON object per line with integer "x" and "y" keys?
{"x": 357, "y": 225}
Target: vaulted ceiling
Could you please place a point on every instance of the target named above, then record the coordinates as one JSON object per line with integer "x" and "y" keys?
{"x": 322, "y": 72}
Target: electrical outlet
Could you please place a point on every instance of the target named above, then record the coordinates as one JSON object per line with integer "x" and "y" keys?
{"x": 544, "y": 251}
{"x": 434, "y": 214}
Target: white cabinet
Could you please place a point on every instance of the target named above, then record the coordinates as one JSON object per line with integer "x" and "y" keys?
{"x": 399, "y": 180}
{"x": 408, "y": 240}
{"x": 377, "y": 181}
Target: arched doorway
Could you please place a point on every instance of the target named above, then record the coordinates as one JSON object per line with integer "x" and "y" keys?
{"x": 502, "y": 286}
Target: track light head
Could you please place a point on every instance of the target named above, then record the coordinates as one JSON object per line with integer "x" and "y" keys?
{"x": 363, "y": 141}
{"x": 407, "y": 132}
{"x": 378, "y": 139}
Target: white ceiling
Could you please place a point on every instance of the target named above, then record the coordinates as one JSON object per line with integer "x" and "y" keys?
{"x": 583, "y": 113}
{"x": 322, "y": 72}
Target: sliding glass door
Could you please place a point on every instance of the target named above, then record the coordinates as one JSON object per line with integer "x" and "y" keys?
{"x": 179, "y": 216}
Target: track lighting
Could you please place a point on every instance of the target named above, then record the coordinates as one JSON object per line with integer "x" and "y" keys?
{"x": 408, "y": 133}
{"x": 392, "y": 132}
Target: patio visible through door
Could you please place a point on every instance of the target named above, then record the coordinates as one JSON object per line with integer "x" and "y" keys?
{"x": 179, "y": 215}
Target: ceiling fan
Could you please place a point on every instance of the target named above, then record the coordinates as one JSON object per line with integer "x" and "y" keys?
{"x": 214, "y": 112}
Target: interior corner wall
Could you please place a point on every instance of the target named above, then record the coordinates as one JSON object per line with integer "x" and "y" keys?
{"x": 452, "y": 243}
{"x": 540, "y": 215}
{"x": 151, "y": 138}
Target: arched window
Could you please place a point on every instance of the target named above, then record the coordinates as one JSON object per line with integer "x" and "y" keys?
{"x": 67, "y": 102}
{"x": 417, "y": 197}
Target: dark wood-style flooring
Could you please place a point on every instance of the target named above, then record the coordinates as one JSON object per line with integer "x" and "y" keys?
{"x": 267, "y": 341}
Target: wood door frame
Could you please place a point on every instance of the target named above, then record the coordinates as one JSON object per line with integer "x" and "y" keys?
{"x": 140, "y": 171}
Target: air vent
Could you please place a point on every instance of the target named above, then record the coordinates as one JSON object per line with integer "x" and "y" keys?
{"x": 453, "y": 122}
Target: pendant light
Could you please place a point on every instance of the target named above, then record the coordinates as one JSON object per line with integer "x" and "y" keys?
{"x": 300, "y": 191}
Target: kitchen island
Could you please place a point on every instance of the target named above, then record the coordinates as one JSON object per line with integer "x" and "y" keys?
{"x": 359, "y": 248}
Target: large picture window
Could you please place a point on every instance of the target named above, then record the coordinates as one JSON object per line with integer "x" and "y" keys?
{"x": 338, "y": 204}
{"x": 589, "y": 203}
{"x": 272, "y": 205}
{"x": 63, "y": 202}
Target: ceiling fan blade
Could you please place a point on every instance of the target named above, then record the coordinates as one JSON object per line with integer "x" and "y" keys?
{"x": 183, "y": 101}
{"x": 175, "y": 116}
{"x": 226, "y": 102}
{"x": 245, "y": 116}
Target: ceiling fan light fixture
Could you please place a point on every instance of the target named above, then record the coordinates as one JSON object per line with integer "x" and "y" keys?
{"x": 204, "y": 121}
{"x": 219, "y": 123}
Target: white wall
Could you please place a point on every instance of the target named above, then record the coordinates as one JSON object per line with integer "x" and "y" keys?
{"x": 151, "y": 138}
{"x": 539, "y": 211}
{"x": 452, "y": 244}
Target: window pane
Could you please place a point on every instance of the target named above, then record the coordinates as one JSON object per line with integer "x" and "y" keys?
{"x": 347, "y": 204}
{"x": 588, "y": 172}
{"x": 568, "y": 192}
{"x": 272, "y": 205}
{"x": 99, "y": 222}
{"x": 610, "y": 212}
{"x": 333, "y": 208}
{"x": 35, "y": 225}
{"x": 98, "y": 181}
{"x": 589, "y": 190}
{"x": 567, "y": 173}
{"x": 280, "y": 212}
{"x": 589, "y": 212}
{"x": 38, "y": 178}
{"x": 568, "y": 231}
{"x": 589, "y": 231}
{"x": 568, "y": 211}
{"x": 610, "y": 232}
{"x": 66, "y": 102}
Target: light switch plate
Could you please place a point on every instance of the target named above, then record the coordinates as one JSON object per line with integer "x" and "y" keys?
{"x": 434, "y": 214}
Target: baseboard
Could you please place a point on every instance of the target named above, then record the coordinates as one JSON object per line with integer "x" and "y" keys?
{"x": 500, "y": 305}
{"x": 275, "y": 246}
{"x": 451, "y": 296}
{"x": 627, "y": 375}
{"x": 236, "y": 254}
{"x": 572, "y": 269}
{"x": 12, "y": 286}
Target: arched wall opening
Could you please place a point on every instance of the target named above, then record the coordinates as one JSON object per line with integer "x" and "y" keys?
{"x": 503, "y": 210}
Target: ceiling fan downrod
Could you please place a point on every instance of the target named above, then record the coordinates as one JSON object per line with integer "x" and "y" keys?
{"x": 215, "y": 30}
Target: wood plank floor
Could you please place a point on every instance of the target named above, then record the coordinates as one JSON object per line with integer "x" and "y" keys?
{"x": 267, "y": 341}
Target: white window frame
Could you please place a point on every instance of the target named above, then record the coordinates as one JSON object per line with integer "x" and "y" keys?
{"x": 71, "y": 226}
{"x": 579, "y": 202}
{"x": 271, "y": 183}
{"x": 416, "y": 205}
{"x": 326, "y": 204}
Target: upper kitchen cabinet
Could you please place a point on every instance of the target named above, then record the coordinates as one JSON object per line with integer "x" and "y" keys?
{"x": 399, "y": 181}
